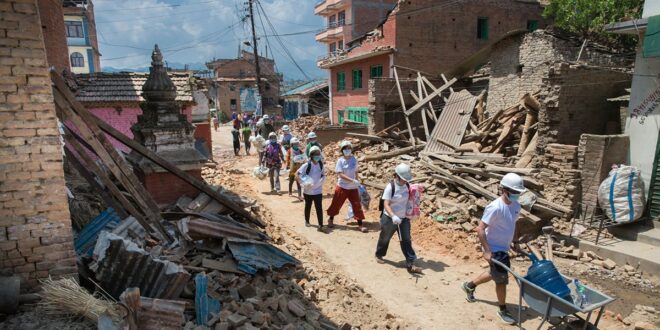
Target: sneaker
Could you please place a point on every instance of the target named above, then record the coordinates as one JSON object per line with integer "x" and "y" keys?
{"x": 331, "y": 223}
{"x": 412, "y": 269}
{"x": 469, "y": 292}
{"x": 380, "y": 260}
{"x": 363, "y": 229}
{"x": 321, "y": 230}
{"x": 506, "y": 316}
{"x": 307, "y": 224}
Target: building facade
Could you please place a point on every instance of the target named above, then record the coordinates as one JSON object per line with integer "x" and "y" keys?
{"x": 236, "y": 85}
{"x": 80, "y": 31}
{"x": 52, "y": 26}
{"x": 424, "y": 35}
{"x": 309, "y": 98}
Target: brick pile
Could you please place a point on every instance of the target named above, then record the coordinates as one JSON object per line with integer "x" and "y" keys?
{"x": 35, "y": 224}
{"x": 559, "y": 174}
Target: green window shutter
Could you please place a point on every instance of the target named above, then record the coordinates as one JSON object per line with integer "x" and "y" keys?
{"x": 376, "y": 71}
{"x": 357, "y": 79}
{"x": 341, "y": 81}
{"x": 651, "y": 47}
{"x": 358, "y": 114}
{"x": 340, "y": 114}
{"x": 654, "y": 187}
{"x": 482, "y": 28}
{"x": 532, "y": 25}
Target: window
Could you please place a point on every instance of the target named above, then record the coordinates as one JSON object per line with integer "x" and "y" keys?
{"x": 341, "y": 18}
{"x": 357, "y": 79}
{"x": 340, "y": 115}
{"x": 358, "y": 114}
{"x": 232, "y": 104}
{"x": 332, "y": 48}
{"x": 376, "y": 71}
{"x": 77, "y": 60}
{"x": 532, "y": 25}
{"x": 332, "y": 21}
{"x": 73, "y": 29}
{"x": 341, "y": 81}
{"x": 482, "y": 28}
{"x": 340, "y": 45}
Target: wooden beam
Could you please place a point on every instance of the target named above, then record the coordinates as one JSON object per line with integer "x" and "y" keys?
{"x": 425, "y": 94}
{"x": 426, "y": 126}
{"x": 529, "y": 153}
{"x": 368, "y": 137}
{"x": 430, "y": 97}
{"x": 403, "y": 106}
{"x": 530, "y": 119}
{"x": 394, "y": 153}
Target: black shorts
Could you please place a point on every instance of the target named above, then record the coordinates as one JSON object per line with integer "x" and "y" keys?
{"x": 497, "y": 272}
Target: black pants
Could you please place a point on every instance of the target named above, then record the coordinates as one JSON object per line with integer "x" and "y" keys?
{"x": 237, "y": 147}
{"x": 318, "y": 200}
{"x": 292, "y": 179}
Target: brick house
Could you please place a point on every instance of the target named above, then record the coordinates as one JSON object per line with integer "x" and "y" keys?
{"x": 423, "y": 35}
{"x": 236, "y": 84}
{"x": 80, "y": 29}
{"x": 52, "y": 25}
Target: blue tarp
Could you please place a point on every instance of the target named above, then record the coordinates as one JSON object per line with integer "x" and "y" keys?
{"x": 86, "y": 239}
{"x": 253, "y": 256}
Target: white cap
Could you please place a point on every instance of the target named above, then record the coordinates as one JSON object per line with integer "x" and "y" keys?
{"x": 294, "y": 140}
{"x": 514, "y": 182}
{"x": 311, "y": 135}
{"x": 285, "y": 128}
{"x": 344, "y": 144}
{"x": 266, "y": 117}
{"x": 272, "y": 134}
{"x": 314, "y": 148}
{"x": 404, "y": 172}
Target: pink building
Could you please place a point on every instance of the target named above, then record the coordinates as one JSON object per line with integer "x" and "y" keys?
{"x": 116, "y": 97}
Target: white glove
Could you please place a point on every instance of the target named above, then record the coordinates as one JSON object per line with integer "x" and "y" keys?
{"x": 396, "y": 220}
{"x": 356, "y": 181}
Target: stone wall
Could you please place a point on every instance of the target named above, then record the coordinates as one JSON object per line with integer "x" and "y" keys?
{"x": 35, "y": 224}
{"x": 596, "y": 155}
{"x": 559, "y": 174}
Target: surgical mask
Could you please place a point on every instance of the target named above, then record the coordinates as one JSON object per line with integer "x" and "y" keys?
{"x": 316, "y": 158}
{"x": 347, "y": 152}
{"x": 273, "y": 140}
{"x": 514, "y": 197}
{"x": 295, "y": 147}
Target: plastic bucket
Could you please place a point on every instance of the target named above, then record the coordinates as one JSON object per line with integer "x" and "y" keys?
{"x": 544, "y": 274}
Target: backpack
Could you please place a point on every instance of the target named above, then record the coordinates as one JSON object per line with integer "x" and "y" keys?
{"x": 381, "y": 203}
{"x": 272, "y": 153}
{"x": 309, "y": 167}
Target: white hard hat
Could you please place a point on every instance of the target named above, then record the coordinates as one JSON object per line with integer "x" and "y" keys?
{"x": 514, "y": 182}
{"x": 313, "y": 149}
{"x": 266, "y": 117}
{"x": 272, "y": 134}
{"x": 285, "y": 128}
{"x": 345, "y": 144}
{"x": 311, "y": 135}
{"x": 294, "y": 140}
{"x": 403, "y": 171}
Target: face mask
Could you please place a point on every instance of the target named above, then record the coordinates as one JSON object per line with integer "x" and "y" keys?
{"x": 273, "y": 140}
{"x": 316, "y": 158}
{"x": 295, "y": 147}
{"x": 347, "y": 152}
{"x": 514, "y": 197}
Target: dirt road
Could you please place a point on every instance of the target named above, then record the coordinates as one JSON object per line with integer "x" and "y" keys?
{"x": 433, "y": 300}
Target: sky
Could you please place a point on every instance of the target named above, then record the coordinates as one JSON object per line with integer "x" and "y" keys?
{"x": 196, "y": 31}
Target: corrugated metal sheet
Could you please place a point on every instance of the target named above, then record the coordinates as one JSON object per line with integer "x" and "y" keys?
{"x": 121, "y": 264}
{"x": 159, "y": 314}
{"x": 253, "y": 256}
{"x": 86, "y": 239}
{"x": 452, "y": 122}
{"x": 130, "y": 228}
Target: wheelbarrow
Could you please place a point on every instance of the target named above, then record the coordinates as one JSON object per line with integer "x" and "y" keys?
{"x": 550, "y": 305}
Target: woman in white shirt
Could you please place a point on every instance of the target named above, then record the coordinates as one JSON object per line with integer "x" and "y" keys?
{"x": 313, "y": 192}
{"x": 393, "y": 219}
{"x": 347, "y": 186}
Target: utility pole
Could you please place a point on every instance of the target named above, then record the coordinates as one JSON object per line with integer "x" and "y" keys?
{"x": 255, "y": 48}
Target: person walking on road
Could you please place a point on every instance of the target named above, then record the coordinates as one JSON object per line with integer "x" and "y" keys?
{"x": 496, "y": 232}
{"x": 311, "y": 142}
{"x": 393, "y": 217}
{"x": 313, "y": 192}
{"x": 266, "y": 128}
{"x": 286, "y": 137}
{"x": 295, "y": 157}
{"x": 246, "y": 133}
{"x": 273, "y": 161}
{"x": 236, "y": 139}
{"x": 347, "y": 186}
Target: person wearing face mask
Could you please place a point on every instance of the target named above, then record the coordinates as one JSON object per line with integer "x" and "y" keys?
{"x": 496, "y": 232}
{"x": 313, "y": 192}
{"x": 393, "y": 217}
{"x": 286, "y": 137}
{"x": 347, "y": 186}
{"x": 267, "y": 127}
{"x": 272, "y": 159}
{"x": 295, "y": 157}
{"x": 311, "y": 142}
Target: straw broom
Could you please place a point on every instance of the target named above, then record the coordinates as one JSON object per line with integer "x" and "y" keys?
{"x": 66, "y": 296}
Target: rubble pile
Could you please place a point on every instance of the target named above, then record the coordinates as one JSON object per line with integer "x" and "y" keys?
{"x": 303, "y": 125}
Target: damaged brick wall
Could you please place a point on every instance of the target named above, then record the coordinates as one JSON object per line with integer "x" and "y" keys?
{"x": 559, "y": 174}
{"x": 35, "y": 224}
{"x": 596, "y": 155}
{"x": 52, "y": 23}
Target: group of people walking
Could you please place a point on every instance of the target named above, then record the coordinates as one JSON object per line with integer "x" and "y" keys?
{"x": 496, "y": 230}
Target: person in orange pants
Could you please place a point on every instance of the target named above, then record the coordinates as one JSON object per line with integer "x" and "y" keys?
{"x": 347, "y": 186}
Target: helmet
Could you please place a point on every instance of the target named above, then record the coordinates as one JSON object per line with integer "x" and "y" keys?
{"x": 285, "y": 128}
{"x": 272, "y": 134}
{"x": 266, "y": 117}
{"x": 313, "y": 149}
{"x": 403, "y": 171}
{"x": 294, "y": 140}
{"x": 345, "y": 144}
{"x": 514, "y": 182}
{"x": 311, "y": 135}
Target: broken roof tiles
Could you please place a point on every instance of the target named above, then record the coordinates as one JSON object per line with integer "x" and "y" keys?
{"x": 125, "y": 87}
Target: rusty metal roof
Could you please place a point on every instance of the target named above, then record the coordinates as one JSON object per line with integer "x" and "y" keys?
{"x": 452, "y": 122}
{"x": 121, "y": 264}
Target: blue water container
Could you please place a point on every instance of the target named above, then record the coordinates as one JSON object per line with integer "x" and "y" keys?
{"x": 544, "y": 274}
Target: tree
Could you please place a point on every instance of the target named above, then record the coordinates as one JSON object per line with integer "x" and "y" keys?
{"x": 587, "y": 17}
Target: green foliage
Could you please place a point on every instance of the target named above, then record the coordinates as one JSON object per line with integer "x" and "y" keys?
{"x": 587, "y": 17}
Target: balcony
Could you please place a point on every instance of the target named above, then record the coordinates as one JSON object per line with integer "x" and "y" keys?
{"x": 327, "y": 7}
{"x": 333, "y": 33}
{"x": 331, "y": 57}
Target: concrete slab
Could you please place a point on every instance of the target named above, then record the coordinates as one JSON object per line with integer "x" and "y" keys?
{"x": 651, "y": 237}
{"x": 630, "y": 252}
